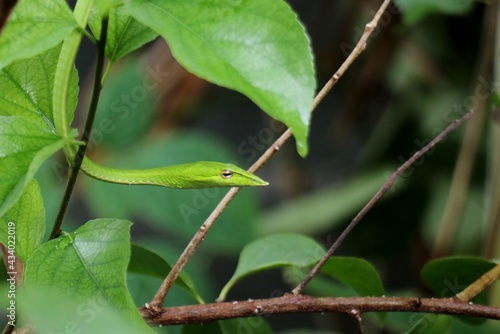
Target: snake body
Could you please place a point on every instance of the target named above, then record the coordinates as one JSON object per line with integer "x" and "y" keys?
{"x": 200, "y": 174}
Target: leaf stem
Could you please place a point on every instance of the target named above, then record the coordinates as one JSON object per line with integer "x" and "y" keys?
{"x": 80, "y": 154}
{"x": 156, "y": 303}
{"x": 480, "y": 284}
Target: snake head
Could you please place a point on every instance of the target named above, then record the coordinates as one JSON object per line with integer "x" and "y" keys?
{"x": 218, "y": 174}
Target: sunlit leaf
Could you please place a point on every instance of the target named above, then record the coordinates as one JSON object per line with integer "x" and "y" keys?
{"x": 88, "y": 264}
{"x": 258, "y": 48}
{"x": 34, "y": 27}
{"x": 24, "y": 223}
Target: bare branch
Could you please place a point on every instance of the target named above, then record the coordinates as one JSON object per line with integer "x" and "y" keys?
{"x": 203, "y": 313}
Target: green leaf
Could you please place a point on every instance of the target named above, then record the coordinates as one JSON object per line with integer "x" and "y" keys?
{"x": 25, "y": 222}
{"x": 34, "y": 27}
{"x": 449, "y": 276}
{"x": 146, "y": 262}
{"x": 24, "y": 148}
{"x": 125, "y": 34}
{"x": 275, "y": 251}
{"x": 324, "y": 209}
{"x": 258, "y": 48}
{"x": 357, "y": 274}
{"x": 414, "y": 11}
{"x": 50, "y": 311}
{"x": 89, "y": 263}
{"x": 28, "y": 135}
{"x": 432, "y": 324}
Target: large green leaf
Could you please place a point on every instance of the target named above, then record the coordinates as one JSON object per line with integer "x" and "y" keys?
{"x": 357, "y": 274}
{"x": 34, "y": 27}
{"x": 124, "y": 35}
{"x": 88, "y": 264}
{"x": 24, "y": 223}
{"x": 27, "y": 131}
{"x": 275, "y": 251}
{"x": 146, "y": 262}
{"x": 258, "y": 48}
{"x": 449, "y": 276}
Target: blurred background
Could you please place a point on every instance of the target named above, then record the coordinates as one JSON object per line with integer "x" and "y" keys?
{"x": 420, "y": 71}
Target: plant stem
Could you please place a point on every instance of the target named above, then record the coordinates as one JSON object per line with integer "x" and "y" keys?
{"x": 480, "y": 284}
{"x": 376, "y": 198}
{"x": 80, "y": 154}
{"x": 157, "y": 301}
{"x": 203, "y": 313}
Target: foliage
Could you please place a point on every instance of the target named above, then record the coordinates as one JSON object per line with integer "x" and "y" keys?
{"x": 260, "y": 49}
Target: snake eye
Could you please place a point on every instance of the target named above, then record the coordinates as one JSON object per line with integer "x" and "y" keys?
{"x": 226, "y": 174}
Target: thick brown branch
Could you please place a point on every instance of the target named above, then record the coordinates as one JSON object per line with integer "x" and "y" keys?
{"x": 203, "y": 313}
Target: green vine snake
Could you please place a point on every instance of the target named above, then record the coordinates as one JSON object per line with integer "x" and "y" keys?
{"x": 201, "y": 174}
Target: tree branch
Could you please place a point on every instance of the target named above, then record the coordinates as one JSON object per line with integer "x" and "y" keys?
{"x": 203, "y": 313}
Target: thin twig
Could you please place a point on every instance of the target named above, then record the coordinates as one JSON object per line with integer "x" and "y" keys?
{"x": 157, "y": 301}
{"x": 480, "y": 284}
{"x": 78, "y": 159}
{"x": 376, "y": 198}
{"x": 203, "y": 313}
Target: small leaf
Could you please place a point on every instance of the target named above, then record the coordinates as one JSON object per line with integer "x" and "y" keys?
{"x": 125, "y": 34}
{"x": 146, "y": 262}
{"x": 275, "y": 251}
{"x": 357, "y": 274}
{"x": 34, "y": 27}
{"x": 432, "y": 324}
{"x": 25, "y": 222}
{"x": 257, "y": 47}
{"x": 88, "y": 264}
{"x": 414, "y": 11}
{"x": 449, "y": 276}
